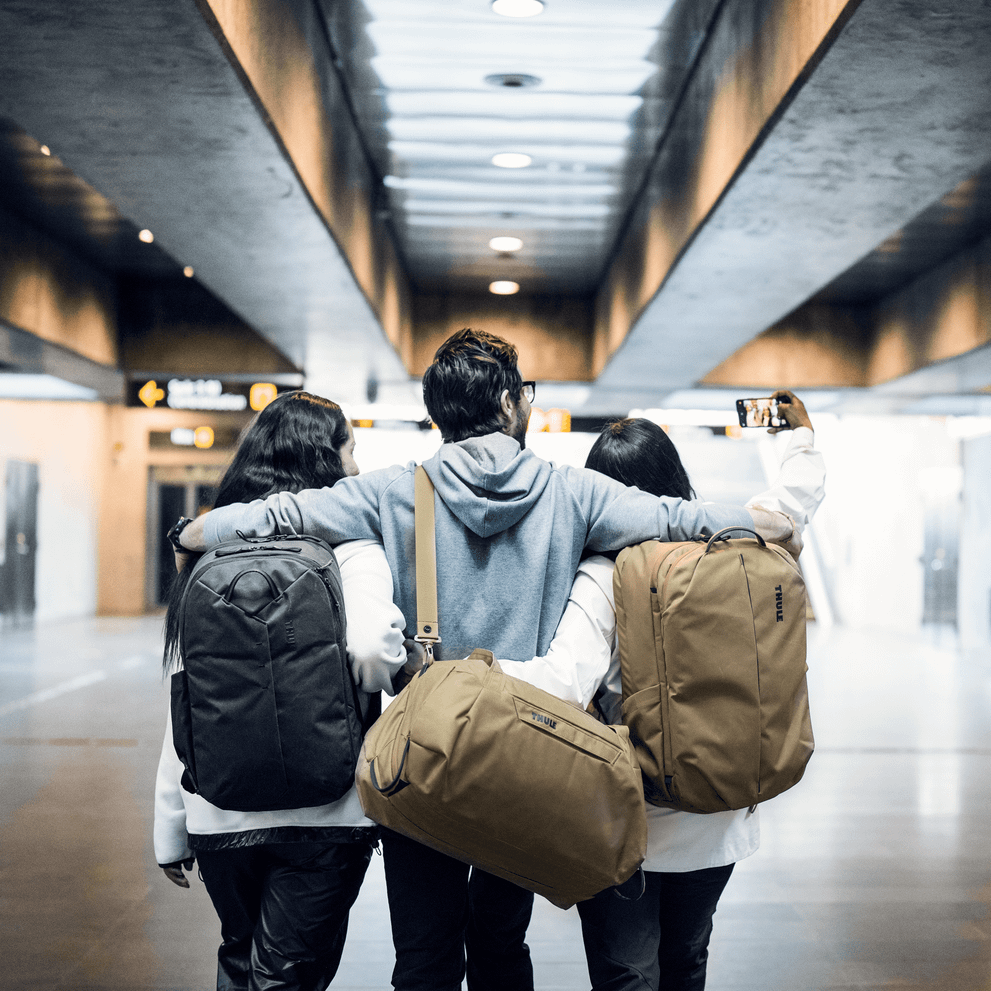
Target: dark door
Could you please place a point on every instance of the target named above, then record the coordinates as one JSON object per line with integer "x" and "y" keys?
{"x": 171, "y": 505}
{"x": 21, "y": 528}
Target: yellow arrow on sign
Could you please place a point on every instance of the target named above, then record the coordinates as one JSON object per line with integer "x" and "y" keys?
{"x": 150, "y": 394}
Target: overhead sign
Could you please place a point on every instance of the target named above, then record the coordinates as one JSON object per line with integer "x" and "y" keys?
{"x": 203, "y": 438}
{"x": 201, "y": 394}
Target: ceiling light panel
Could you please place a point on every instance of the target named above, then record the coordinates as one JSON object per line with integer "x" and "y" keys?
{"x": 508, "y": 206}
{"x": 433, "y": 111}
{"x": 515, "y": 104}
{"x": 629, "y": 13}
{"x": 532, "y": 43}
{"x": 542, "y": 154}
{"x": 513, "y": 190}
{"x": 620, "y": 76}
{"x": 513, "y": 132}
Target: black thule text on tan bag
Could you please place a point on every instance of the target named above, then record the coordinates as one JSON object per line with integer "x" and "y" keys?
{"x": 499, "y": 774}
{"x": 712, "y": 651}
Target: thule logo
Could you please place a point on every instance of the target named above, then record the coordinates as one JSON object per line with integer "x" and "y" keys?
{"x": 290, "y": 635}
{"x": 539, "y": 717}
{"x": 779, "y": 604}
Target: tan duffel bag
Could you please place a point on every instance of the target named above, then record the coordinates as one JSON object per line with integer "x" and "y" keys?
{"x": 712, "y": 654}
{"x": 502, "y": 775}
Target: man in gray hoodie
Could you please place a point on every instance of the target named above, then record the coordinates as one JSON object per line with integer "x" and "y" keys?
{"x": 510, "y": 531}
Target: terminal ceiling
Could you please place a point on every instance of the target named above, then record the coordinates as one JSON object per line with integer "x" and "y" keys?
{"x": 696, "y": 171}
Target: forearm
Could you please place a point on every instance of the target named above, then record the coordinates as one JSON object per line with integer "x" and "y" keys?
{"x": 799, "y": 486}
{"x": 171, "y": 840}
{"x": 348, "y": 511}
{"x": 619, "y": 516}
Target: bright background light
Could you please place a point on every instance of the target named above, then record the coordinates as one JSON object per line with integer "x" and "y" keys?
{"x": 502, "y": 288}
{"x": 511, "y": 160}
{"x": 505, "y": 244}
{"x": 517, "y": 8}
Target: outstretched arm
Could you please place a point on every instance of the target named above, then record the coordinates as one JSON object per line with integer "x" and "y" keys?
{"x": 347, "y": 511}
{"x": 800, "y": 485}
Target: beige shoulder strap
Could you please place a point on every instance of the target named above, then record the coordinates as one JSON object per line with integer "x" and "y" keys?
{"x": 427, "y": 622}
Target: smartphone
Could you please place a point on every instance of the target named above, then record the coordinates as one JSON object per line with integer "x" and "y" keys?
{"x": 759, "y": 413}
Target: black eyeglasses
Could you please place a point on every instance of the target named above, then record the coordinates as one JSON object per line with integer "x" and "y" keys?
{"x": 528, "y": 391}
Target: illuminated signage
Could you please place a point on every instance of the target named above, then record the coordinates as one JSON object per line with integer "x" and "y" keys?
{"x": 203, "y": 438}
{"x": 554, "y": 421}
{"x": 210, "y": 394}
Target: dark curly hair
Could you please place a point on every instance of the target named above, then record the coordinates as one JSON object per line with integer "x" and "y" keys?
{"x": 463, "y": 386}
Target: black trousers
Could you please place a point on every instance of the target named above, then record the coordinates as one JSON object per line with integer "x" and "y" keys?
{"x": 283, "y": 911}
{"x": 440, "y": 909}
{"x": 659, "y": 942}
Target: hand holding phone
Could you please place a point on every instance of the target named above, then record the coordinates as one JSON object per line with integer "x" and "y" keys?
{"x": 762, "y": 412}
{"x": 782, "y": 411}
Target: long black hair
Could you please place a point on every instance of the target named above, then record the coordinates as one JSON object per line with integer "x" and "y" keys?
{"x": 639, "y": 452}
{"x": 291, "y": 445}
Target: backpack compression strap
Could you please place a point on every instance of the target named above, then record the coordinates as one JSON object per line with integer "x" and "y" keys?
{"x": 427, "y": 624}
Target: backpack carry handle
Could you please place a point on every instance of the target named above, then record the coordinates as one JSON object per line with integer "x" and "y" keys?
{"x": 251, "y": 571}
{"x": 720, "y": 535}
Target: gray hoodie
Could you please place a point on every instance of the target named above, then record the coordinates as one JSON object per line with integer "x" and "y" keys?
{"x": 511, "y": 528}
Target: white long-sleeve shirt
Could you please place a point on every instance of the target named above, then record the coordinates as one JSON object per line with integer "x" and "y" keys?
{"x": 375, "y": 652}
{"x": 584, "y": 654}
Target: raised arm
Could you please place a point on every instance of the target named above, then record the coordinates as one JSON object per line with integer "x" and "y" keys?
{"x": 800, "y": 484}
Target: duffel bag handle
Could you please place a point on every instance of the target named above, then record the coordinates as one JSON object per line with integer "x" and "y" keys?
{"x": 720, "y": 535}
{"x": 396, "y": 784}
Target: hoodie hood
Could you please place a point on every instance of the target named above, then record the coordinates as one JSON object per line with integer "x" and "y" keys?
{"x": 488, "y": 482}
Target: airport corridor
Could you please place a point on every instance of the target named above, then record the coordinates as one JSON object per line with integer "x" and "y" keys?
{"x": 873, "y": 873}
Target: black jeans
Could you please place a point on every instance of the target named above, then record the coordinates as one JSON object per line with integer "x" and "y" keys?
{"x": 659, "y": 943}
{"x": 283, "y": 911}
{"x": 440, "y": 909}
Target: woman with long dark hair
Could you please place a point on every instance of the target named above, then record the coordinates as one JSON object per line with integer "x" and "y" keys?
{"x": 659, "y": 942}
{"x": 284, "y": 882}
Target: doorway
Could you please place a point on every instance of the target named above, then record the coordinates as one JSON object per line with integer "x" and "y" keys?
{"x": 17, "y": 574}
{"x": 173, "y": 492}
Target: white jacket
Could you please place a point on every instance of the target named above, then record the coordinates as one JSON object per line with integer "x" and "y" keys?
{"x": 375, "y": 651}
{"x": 584, "y": 655}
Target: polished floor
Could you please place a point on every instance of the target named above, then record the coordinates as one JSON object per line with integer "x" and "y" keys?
{"x": 874, "y": 873}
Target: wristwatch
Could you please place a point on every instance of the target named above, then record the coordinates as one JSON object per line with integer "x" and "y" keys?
{"x": 176, "y": 530}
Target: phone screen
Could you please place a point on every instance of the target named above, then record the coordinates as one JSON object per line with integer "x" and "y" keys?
{"x": 761, "y": 412}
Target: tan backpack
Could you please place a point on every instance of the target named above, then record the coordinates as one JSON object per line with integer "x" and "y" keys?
{"x": 712, "y": 652}
{"x": 499, "y": 774}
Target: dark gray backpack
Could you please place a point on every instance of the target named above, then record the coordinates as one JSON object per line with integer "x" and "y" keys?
{"x": 265, "y": 713}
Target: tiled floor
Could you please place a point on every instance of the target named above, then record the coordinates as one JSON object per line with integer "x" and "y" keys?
{"x": 875, "y": 872}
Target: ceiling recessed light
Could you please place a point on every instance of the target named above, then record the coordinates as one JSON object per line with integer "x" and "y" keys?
{"x": 45, "y": 150}
{"x": 188, "y": 271}
{"x": 505, "y": 244}
{"x": 504, "y": 288}
{"x": 511, "y": 160}
{"x": 146, "y": 236}
{"x": 517, "y": 8}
